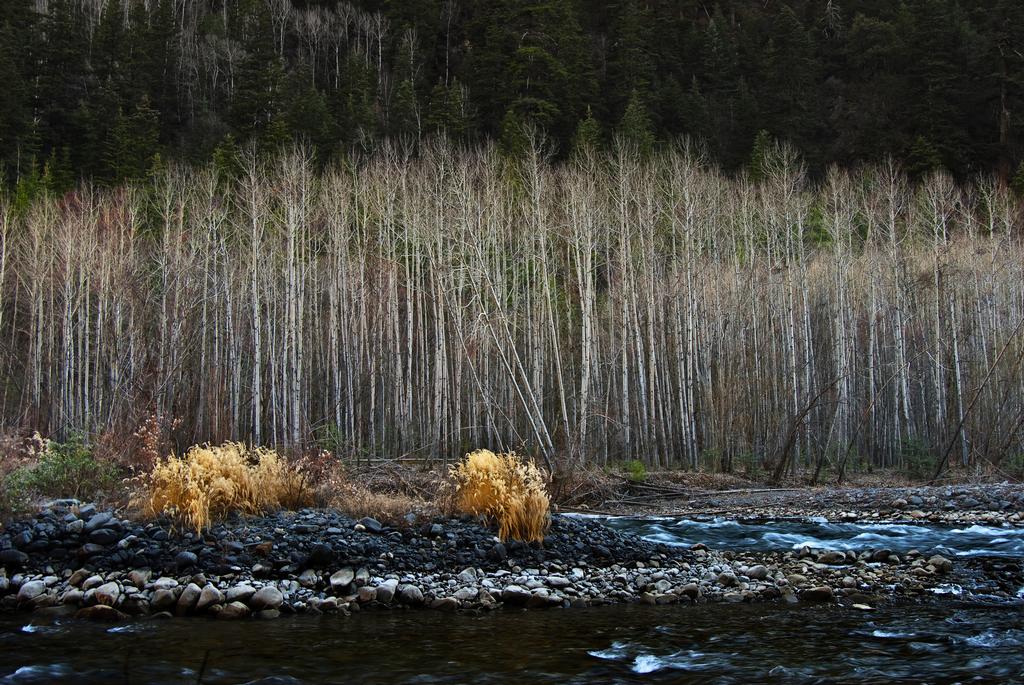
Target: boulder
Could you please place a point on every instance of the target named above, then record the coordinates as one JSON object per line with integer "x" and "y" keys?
{"x": 233, "y": 610}
{"x": 821, "y": 593}
{"x": 108, "y": 593}
{"x": 267, "y": 597}
{"x": 30, "y": 590}
{"x": 240, "y": 593}
{"x": 208, "y": 597}
{"x": 410, "y": 594}
{"x": 187, "y": 600}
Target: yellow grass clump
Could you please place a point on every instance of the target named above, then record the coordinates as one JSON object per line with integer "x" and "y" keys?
{"x": 505, "y": 489}
{"x": 208, "y": 483}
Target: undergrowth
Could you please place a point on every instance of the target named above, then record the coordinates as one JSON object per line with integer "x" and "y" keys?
{"x": 504, "y": 489}
{"x": 61, "y": 469}
{"x": 208, "y": 483}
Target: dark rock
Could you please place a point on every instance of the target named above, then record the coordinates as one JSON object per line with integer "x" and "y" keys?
{"x": 322, "y": 555}
{"x": 104, "y": 536}
{"x": 90, "y": 549}
{"x": 22, "y": 539}
{"x": 185, "y": 560}
{"x": 13, "y": 559}
{"x": 371, "y": 525}
{"x": 98, "y": 521}
{"x": 100, "y": 612}
{"x": 267, "y": 597}
{"x": 498, "y": 553}
{"x": 821, "y": 593}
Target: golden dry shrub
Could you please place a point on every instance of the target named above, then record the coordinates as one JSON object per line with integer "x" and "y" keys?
{"x": 504, "y": 489}
{"x": 208, "y": 483}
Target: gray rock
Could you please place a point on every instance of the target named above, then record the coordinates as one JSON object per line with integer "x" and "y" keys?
{"x": 341, "y": 579}
{"x": 75, "y": 527}
{"x": 13, "y": 559}
{"x": 832, "y": 557}
{"x": 466, "y": 594}
{"x": 467, "y": 575}
{"x": 726, "y": 579}
{"x": 436, "y": 530}
{"x": 164, "y": 583}
{"x": 104, "y": 536}
{"x": 86, "y": 511}
{"x": 208, "y": 597}
{"x": 100, "y": 612}
{"x": 240, "y": 593}
{"x": 941, "y": 563}
{"x": 321, "y": 556}
{"x": 309, "y": 578}
{"x": 139, "y": 577}
{"x": 233, "y": 610}
{"x": 691, "y": 590}
{"x": 366, "y": 594}
{"x": 821, "y": 593}
{"x": 162, "y": 599}
{"x": 267, "y": 597}
{"x": 92, "y": 581}
{"x": 78, "y": 577}
{"x": 558, "y": 582}
{"x": 30, "y": 590}
{"x": 188, "y": 599}
{"x": 371, "y": 525}
{"x": 386, "y": 590}
{"x": 758, "y": 572}
{"x": 514, "y": 594}
{"x": 108, "y": 594}
{"x": 267, "y": 614}
{"x": 445, "y": 604}
{"x": 186, "y": 560}
{"x": 880, "y": 555}
{"x": 498, "y": 553}
{"x": 410, "y": 594}
{"x": 98, "y": 521}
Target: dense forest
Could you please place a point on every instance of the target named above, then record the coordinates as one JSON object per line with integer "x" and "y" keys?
{"x": 112, "y": 89}
{"x": 609, "y": 307}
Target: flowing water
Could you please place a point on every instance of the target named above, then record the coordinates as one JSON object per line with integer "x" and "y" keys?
{"x": 941, "y": 640}
{"x": 767, "y": 536}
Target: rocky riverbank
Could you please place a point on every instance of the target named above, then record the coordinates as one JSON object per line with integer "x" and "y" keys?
{"x": 948, "y": 504}
{"x": 73, "y": 560}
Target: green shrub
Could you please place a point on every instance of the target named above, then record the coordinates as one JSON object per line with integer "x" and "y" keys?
{"x": 635, "y": 470}
{"x": 916, "y": 458}
{"x": 64, "y": 470}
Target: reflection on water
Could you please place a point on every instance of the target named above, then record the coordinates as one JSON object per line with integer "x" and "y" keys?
{"x": 973, "y": 540}
{"x": 937, "y": 641}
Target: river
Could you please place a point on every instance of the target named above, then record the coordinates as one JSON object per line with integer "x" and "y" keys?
{"x": 955, "y": 638}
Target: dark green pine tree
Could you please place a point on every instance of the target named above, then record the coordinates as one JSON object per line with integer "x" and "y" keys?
{"x": 588, "y": 137}
{"x": 257, "y": 97}
{"x": 134, "y": 143}
{"x": 307, "y": 116}
{"x": 760, "y": 156}
{"x": 922, "y": 157}
{"x": 630, "y": 63}
{"x": 532, "y": 62}
{"x": 15, "y": 113}
{"x": 404, "y": 115}
{"x": 355, "y": 101}
{"x": 635, "y": 126}
{"x": 448, "y": 112}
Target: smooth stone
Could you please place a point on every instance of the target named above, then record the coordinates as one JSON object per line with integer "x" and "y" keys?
{"x": 240, "y": 593}
{"x": 267, "y": 597}
{"x": 832, "y": 558}
{"x": 445, "y": 604}
{"x": 187, "y": 601}
{"x": 13, "y": 558}
{"x": 366, "y": 594}
{"x": 342, "y": 579}
{"x": 758, "y": 572}
{"x": 104, "y": 536}
{"x": 30, "y": 590}
{"x": 267, "y": 614}
{"x": 821, "y": 593}
{"x": 164, "y": 583}
{"x": 108, "y": 594}
{"x": 186, "y": 559}
{"x": 139, "y": 577}
{"x": 410, "y": 594}
{"x": 371, "y": 525}
{"x": 309, "y": 578}
{"x": 162, "y": 599}
{"x": 233, "y": 610}
{"x": 208, "y": 597}
{"x": 727, "y": 579}
{"x": 98, "y": 521}
{"x": 941, "y": 563}
{"x": 78, "y": 577}
{"x": 514, "y": 594}
{"x": 322, "y": 555}
{"x": 100, "y": 612}
{"x": 386, "y": 590}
